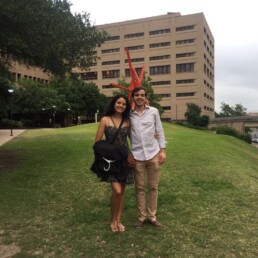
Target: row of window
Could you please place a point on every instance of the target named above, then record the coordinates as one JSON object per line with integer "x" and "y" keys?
{"x": 208, "y": 109}
{"x": 208, "y": 62}
{"x": 208, "y": 37}
{"x": 154, "y": 70}
{"x": 208, "y": 72}
{"x": 154, "y": 45}
{"x": 208, "y": 50}
{"x": 205, "y": 108}
{"x": 208, "y": 85}
{"x": 151, "y": 58}
{"x": 18, "y": 76}
{"x": 208, "y": 96}
{"x": 154, "y": 32}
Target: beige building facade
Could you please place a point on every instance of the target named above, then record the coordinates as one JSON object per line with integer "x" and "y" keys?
{"x": 177, "y": 52}
{"x": 20, "y": 70}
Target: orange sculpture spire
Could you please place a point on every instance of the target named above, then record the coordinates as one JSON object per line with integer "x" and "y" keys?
{"x": 135, "y": 80}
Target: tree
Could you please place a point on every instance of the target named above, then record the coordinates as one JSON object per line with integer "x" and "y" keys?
{"x": 35, "y": 102}
{"x": 228, "y": 111}
{"x": 44, "y": 33}
{"x": 239, "y": 110}
{"x": 193, "y": 115}
{"x": 5, "y": 84}
{"x": 84, "y": 99}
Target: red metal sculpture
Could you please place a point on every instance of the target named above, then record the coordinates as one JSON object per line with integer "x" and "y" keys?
{"x": 135, "y": 82}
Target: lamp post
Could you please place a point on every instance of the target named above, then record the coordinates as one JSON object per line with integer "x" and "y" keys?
{"x": 67, "y": 117}
{"x": 96, "y": 116}
{"x": 54, "y": 115}
{"x": 11, "y": 110}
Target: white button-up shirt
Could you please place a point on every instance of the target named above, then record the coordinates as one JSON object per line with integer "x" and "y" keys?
{"x": 147, "y": 134}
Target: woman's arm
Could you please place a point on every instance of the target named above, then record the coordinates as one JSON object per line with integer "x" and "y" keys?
{"x": 101, "y": 129}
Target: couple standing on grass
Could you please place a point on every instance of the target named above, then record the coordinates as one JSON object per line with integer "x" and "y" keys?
{"x": 143, "y": 125}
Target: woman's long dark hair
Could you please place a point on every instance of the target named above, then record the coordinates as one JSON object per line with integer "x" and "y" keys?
{"x": 111, "y": 107}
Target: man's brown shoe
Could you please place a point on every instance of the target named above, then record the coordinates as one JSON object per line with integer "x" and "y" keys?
{"x": 138, "y": 224}
{"x": 155, "y": 223}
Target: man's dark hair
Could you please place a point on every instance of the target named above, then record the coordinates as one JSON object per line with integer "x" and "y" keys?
{"x": 137, "y": 89}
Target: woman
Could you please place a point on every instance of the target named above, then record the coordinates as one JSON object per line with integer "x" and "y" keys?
{"x": 118, "y": 109}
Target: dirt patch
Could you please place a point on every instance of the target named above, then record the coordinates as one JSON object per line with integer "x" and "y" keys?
{"x": 9, "y": 159}
{"x": 7, "y": 251}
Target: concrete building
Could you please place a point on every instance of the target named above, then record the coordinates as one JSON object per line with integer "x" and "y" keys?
{"x": 20, "y": 70}
{"x": 178, "y": 54}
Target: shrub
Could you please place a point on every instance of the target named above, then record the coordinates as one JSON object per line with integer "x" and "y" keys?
{"x": 226, "y": 130}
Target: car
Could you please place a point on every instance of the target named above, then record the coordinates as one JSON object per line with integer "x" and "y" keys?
{"x": 255, "y": 140}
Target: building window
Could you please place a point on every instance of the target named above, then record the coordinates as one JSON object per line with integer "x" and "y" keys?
{"x": 127, "y": 72}
{"x": 184, "y": 54}
{"x": 89, "y": 76}
{"x": 162, "y": 44}
{"x": 183, "y": 68}
{"x": 153, "y": 58}
{"x": 112, "y": 50}
{"x": 158, "y": 83}
{"x": 110, "y": 38}
{"x": 167, "y": 108}
{"x": 134, "y": 35}
{"x": 111, "y": 62}
{"x": 187, "y": 81}
{"x": 108, "y": 86}
{"x": 155, "y": 32}
{"x": 135, "y": 47}
{"x": 165, "y": 69}
{"x": 164, "y": 95}
{"x": 184, "y": 41}
{"x": 135, "y": 60}
{"x": 185, "y": 94}
{"x": 110, "y": 74}
{"x": 183, "y": 28}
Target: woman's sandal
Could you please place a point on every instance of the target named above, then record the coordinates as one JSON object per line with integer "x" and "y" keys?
{"x": 120, "y": 227}
{"x": 114, "y": 226}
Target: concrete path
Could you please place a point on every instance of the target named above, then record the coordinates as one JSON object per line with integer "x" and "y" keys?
{"x": 5, "y": 135}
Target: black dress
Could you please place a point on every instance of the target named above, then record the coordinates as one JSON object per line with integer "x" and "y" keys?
{"x": 121, "y": 139}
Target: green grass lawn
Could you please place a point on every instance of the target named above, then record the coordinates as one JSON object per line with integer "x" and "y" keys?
{"x": 52, "y": 205}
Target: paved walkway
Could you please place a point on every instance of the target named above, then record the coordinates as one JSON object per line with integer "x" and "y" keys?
{"x": 5, "y": 135}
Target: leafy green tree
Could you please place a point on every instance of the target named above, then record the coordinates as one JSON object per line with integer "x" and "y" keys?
{"x": 193, "y": 113}
{"x": 84, "y": 99}
{"x": 228, "y": 111}
{"x": 44, "y": 33}
{"x": 239, "y": 110}
{"x": 5, "y": 84}
{"x": 32, "y": 97}
{"x": 35, "y": 102}
{"x": 193, "y": 116}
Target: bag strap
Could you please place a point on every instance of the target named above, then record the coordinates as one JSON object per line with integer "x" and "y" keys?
{"x": 118, "y": 129}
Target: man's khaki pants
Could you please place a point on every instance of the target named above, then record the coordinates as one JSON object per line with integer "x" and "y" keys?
{"x": 152, "y": 169}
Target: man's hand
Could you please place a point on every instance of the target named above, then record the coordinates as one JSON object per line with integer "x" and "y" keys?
{"x": 162, "y": 156}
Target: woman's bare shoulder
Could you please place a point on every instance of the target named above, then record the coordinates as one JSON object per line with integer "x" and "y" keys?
{"x": 105, "y": 120}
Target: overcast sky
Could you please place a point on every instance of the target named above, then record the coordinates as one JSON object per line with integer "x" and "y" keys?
{"x": 233, "y": 24}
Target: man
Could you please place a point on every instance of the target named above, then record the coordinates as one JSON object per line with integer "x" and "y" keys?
{"x": 148, "y": 148}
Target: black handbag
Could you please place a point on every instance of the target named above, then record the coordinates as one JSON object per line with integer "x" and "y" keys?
{"x": 109, "y": 156}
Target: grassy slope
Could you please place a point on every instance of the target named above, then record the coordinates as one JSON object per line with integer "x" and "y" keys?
{"x": 52, "y": 205}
